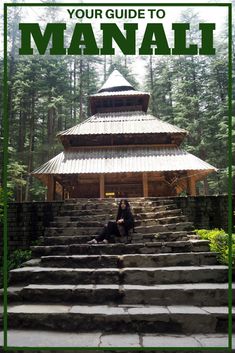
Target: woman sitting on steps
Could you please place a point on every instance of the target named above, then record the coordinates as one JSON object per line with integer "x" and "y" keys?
{"x": 120, "y": 228}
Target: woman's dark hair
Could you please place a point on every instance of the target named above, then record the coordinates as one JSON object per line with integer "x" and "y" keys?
{"x": 128, "y": 207}
{"x": 128, "y": 216}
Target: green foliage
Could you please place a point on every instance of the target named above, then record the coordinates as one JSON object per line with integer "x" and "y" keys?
{"x": 191, "y": 92}
{"x": 15, "y": 260}
{"x": 1, "y": 204}
{"x": 219, "y": 243}
{"x": 38, "y": 190}
{"x": 9, "y": 194}
{"x": 15, "y": 171}
{"x": 18, "y": 257}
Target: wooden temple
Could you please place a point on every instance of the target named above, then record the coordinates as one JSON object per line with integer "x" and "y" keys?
{"x": 121, "y": 151}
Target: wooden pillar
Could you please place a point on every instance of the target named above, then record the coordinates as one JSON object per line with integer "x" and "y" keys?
{"x": 206, "y": 187}
{"x": 192, "y": 186}
{"x": 51, "y": 188}
{"x": 145, "y": 185}
{"x": 102, "y": 186}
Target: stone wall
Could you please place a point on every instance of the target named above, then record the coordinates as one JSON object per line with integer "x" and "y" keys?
{"x": 206, "y": 211}
{"x": 28, "y": 220}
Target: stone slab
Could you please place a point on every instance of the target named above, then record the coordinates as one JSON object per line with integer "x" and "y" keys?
{"x": 37, "y": 338}
{"x": 53, "y": 286}
{"x": 30, "y": 338}
{"x": 106, "y": 286}
{"x": 183, "y": 286}
{"x": 213, "y": 340}
{"x": 39, "y": 309}
{"x": 216, "y": 309}
{"x": 169, "y": 341}
{"x": 97, "y": 310}
{"x": 120, "y": 340}
{"x": 151, "y": 310}
{"x": 186, "y": 309}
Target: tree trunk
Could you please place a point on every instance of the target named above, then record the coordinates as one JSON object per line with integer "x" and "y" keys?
{"x": 50, "y": 126}
{"x": 74, "y": 89}
{"x": 80, "y": 89}
{"x": 88, "y": 85}
{"x": 22, "y": 128}
{"x": 60, "y": 121}
{"x": 105, "y": 68}
{"x": 31, "y": 150}
{"x": 151, "y": 83}
{"x": 70, "y": 91}
{"x": 12, "y": 63}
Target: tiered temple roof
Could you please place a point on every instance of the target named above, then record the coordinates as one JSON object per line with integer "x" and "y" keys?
{"x": 121, "y": 137}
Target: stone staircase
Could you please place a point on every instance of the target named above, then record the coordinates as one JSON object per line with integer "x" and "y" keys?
{"x": 166, "y": 281}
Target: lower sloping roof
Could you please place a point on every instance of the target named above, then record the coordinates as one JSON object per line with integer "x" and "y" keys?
{"x": 120, "y": 160}
{"x": 135, "y": 122}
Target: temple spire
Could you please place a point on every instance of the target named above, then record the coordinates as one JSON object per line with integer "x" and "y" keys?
{"x": 116, "y": 82}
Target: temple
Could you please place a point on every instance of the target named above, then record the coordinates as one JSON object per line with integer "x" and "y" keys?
{"x": 121, "y": 151}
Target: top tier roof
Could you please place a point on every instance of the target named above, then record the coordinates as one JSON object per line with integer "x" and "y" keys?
{"x": 117, "y": 94}
{"x": 116, "y": 82}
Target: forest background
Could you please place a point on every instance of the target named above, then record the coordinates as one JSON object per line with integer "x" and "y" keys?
{"x": 48, "y": 94}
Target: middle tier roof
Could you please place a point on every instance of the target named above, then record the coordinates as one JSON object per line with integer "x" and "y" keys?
{"x": 123, "y": 123}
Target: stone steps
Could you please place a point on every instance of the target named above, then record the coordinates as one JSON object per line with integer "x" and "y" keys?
{"x": 71, "y": 231}
{"x": 165, "y": 281}
{"x": 119, "y": 248}
{"x": 112, "y": 216}
{"x": 157, "y": 214}
{"x": 113, "y": 209}
{"x": 211, "y": 294}
{"x": 64, "y": 223}
{"x": 179, "y": 226}
{"x": 93, "y": 204}
{"x": 132, "y": 275}
{"x": 136, "y": 237}
{"x": 135, "y": 260}
{"x": 88, "y": 230}
{"x": 145, "y": 319}
{"x": 73, "y": 211}
{"x": 41, "y": 338}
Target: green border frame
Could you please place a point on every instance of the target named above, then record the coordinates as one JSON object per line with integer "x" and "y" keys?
{"x": 5, "y": 162}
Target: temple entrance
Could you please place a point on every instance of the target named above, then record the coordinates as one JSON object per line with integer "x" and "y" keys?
{"x": 123, "y": 185}
{"x": 123, "y": 190}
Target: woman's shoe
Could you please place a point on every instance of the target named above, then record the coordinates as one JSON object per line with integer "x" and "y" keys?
{"x": 93, "y": 241}
{"x": 105, "y": 241}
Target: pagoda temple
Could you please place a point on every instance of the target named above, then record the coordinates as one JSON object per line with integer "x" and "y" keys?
{"x": 121, "y": 151}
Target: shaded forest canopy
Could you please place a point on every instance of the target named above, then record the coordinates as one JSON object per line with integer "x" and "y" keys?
{"x": 48, "y": 94}
{"x": 83, "y": 35}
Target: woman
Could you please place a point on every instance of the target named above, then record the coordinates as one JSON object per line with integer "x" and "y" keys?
{"x": 120, "y": 228}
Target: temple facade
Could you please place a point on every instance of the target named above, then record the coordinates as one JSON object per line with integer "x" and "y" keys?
{"x": 121, "y": 151}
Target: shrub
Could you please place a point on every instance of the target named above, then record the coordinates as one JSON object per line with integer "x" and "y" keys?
{"x": 219, "y": 243}
{"x": 15, "y": 260}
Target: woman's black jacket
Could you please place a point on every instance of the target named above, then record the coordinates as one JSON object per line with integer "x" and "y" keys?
{"x": 128, "y": 219}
